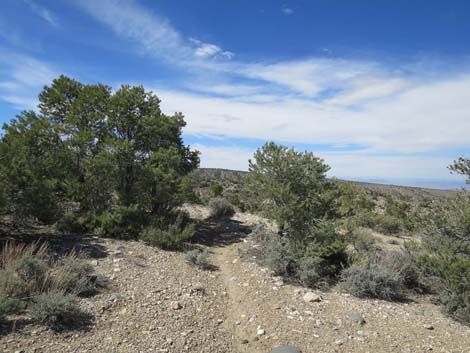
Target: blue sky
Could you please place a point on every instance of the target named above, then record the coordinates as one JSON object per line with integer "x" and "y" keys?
{"x": 379, "y": 89}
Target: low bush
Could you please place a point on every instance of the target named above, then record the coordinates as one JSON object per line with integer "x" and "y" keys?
{"x": 456, "y": 294}
{"x": 234, "y": 199}
{"x": 31, "y": 269}
{"x": 387, "y": 224}
{"x": 216, "y": 189}
{"x": 120, "y": 223}
{"x": 11, "y": 285}
{"x": 312, "y": 262}
{"x": 45, "y": 287}
{"x": 56, "y": 309}
{"x": 199, "y": 258}
{"x": 9, "y": 306}
{"x": 168, "y": 237}
{"x": 310, "y": 270}
{"x": 280, "y": 256}
{"x": 443, "y": 259}
{"x": 363, "y": 241}
{"x": 373, "y": 280}
{"x": 220, "y": 208}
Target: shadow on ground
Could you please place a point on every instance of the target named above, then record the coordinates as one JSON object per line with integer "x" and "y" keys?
{"x": 60, "y": 244}
{"x": 212, "y": 232}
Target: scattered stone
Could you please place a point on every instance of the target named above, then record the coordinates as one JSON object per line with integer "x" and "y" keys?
{"x": 260, "y": 331}
{"x": 341, "y": 341}
{"x": 197, "y": 290}
{"x": 237, "y": 323}
{"x": 285, "y": 349}
{"x": 429, "y": 327}
{"x": 244, "y": 341}
{"x": 174, "y": 305}
{"x": 310, "y": 297}
{"x": 358, "y": 319}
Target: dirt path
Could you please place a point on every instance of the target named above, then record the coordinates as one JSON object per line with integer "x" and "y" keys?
{"x": 263, "y": 312}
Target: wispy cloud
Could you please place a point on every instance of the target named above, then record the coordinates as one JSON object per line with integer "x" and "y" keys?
{"x": 21, "y": 79}
{"x": 154, "y": 33}
{"x": 42, "y": 12}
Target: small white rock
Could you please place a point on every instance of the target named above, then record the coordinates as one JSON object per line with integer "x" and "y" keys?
{"x": 310, "y": 297}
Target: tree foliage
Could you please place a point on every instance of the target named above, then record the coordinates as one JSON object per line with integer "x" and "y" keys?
{"x": 291, "y": 186}
{"x": 461, "y": 166}
{"x": 293, "y": 190}
{"x": 94, "y": 148}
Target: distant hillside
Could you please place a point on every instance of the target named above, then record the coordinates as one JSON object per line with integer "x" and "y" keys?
{"x": 385, "y": 189}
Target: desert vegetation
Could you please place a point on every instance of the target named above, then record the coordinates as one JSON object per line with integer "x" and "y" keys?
{"x": 45, "y": 287}
{"x": 95, "y": 161}
{"x": 111, "y": 165}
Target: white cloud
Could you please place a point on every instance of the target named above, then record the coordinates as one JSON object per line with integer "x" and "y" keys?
{"x": 311, "y": 76}
{"x": 42, "y": 12}
{"x": 207, "y": 50}
{"x": 287, "y": 11}
{"x": 412, "y": 120}
{"x": 224, "y": 157}
{"x": 364, "y": 89}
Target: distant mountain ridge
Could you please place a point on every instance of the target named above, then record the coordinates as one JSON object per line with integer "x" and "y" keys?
{"x": 375, "y": 187}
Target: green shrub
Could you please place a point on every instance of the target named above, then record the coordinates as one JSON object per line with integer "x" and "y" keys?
{"x": 10, "y": 306}
{"x": 121, "y": 223}
{"x": 11, "y": 285}
{"x": 56, "y": 309}
{"x": 315, "y": 261}
{"x": 168, "y": 237}
{"x": 372, "y": 281}
{"x": 33, "y": 271}
{"x": 199, "y": 258}
{"x": 444, "y": 258}
{"x": 31, "y": 268}
{"x": 352, "y": 200}
{"x": 220, "y": 208}
{"x": 388, "y": 224}
{"x": 456, "y": 294}
{"x": 216, "y": 189}
{"x": 186, "y": 190}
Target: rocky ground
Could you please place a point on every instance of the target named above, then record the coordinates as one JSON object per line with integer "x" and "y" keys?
{"x": 159, "y": 303}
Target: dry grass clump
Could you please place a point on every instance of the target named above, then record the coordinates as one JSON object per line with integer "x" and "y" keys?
{"x": 33, "y": 282}
{"x": 220, "y": 208}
